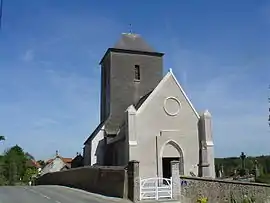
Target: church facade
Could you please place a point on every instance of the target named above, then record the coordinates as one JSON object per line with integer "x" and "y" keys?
{"x": 147, "y": 117}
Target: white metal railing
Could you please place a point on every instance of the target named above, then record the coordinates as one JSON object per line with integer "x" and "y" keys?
{"x": 155, "y": 188}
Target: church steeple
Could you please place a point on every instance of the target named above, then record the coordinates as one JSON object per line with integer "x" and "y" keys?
{"x": 129, "y": 70}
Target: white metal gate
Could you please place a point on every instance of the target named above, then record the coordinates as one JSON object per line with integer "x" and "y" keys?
{"x": 155, "y": 188}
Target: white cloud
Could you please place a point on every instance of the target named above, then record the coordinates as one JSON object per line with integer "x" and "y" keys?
{"x": 28, "y": 56}
{"x": 44, "y": 122}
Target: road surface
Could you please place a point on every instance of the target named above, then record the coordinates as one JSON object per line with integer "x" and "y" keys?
{"x": 51, "y": 194}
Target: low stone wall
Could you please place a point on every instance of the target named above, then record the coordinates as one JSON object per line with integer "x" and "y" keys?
{"x": 219, "y": 191}
{"x": 110, "y": 181}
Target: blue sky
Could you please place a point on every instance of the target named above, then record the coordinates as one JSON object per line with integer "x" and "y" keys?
{"x": 50, "y": 78}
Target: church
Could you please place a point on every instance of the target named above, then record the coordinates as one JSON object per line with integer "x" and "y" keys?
{"x": 146, "y": 116}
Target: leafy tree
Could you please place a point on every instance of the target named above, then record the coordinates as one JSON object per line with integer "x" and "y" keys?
{"x": 234, "y": 163}
{"x": 29, "y": 156}
{"x": 29, "y": 174}
{"x": 15, "y": 164}
{"x": 2, "y": 177}
{"x": 41, "y": 163}
{"x": 2, "y": 138}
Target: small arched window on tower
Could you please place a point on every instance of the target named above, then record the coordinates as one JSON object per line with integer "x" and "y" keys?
{"x": 137, "y": 73}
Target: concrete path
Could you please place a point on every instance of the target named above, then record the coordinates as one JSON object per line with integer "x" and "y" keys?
{"x": 51, "y": 194}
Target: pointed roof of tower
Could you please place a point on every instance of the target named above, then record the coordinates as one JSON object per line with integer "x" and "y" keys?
{"x": 132, "y": 44}
{"x": 132, "y": 41}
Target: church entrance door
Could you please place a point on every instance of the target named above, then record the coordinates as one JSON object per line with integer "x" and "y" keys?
{"x": 166, "y": 166}
{"x": 171, "y": 151}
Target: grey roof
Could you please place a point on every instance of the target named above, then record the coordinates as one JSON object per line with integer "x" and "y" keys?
{"x": 131, "y": 41}
{"x": 142, "y": 100}
{"x": 98, "y": 128}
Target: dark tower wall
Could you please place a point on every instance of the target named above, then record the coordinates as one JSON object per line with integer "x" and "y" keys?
{"x": 105, "y": 88}
{"x": 118, "y": 74}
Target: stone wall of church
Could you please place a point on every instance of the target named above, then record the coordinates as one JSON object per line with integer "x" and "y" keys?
{"x": 110, "y": 181}
{"x": 221, "y": 191}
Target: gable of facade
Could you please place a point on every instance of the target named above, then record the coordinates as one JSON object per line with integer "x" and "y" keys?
{"x": 56, "y": 164}
{"x": 165, "y": 125}
{"x": 168, "y": 87}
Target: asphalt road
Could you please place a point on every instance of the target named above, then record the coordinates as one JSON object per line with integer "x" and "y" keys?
{"x": 51, "y": 194}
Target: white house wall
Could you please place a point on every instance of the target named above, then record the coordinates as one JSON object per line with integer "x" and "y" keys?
{"x": 97, "y": 148}
{"x": 56, "y": 165}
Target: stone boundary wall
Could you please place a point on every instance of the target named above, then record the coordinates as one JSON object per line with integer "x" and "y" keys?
{"x": 220, "y": 191}
{"x": 110, "y": 181}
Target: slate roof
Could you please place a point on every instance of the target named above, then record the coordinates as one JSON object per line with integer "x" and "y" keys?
{"x": 141, "y": 100}
{"x": 32, "y": 163}
{"x": 95, "y": 132}
{"x": 135, "y": 42}
{"x": 98, "y": 128}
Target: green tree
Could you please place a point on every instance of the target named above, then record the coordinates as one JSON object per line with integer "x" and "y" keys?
{"x": 2, "y": 177}
{"x": 234, "y": 163}
{"x": 41, "y": 163}
{"x": 29, "y": 156}
{"x": 14, "y": 164}
{"x": 2, "y": 138}
{"x": 29, "y": 174}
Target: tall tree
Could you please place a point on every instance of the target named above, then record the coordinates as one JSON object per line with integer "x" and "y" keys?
{"x": 2, "y": 138}
{"x": 29, "y": 156}
{"x": 2, "y": 177}
{"x": 14, "y": 165}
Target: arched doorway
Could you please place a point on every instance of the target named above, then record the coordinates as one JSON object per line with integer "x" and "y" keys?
{"x": 171, "y": 151}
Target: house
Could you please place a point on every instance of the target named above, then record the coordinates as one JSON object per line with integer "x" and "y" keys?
{"x": 77, "y": 161}
{"x": 58, "y": 163}
{"x": 32, "y": 163}
{"x": 148, "y": 117}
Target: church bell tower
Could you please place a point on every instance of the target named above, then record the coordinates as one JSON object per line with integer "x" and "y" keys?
{"x": 129, "y": 70}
